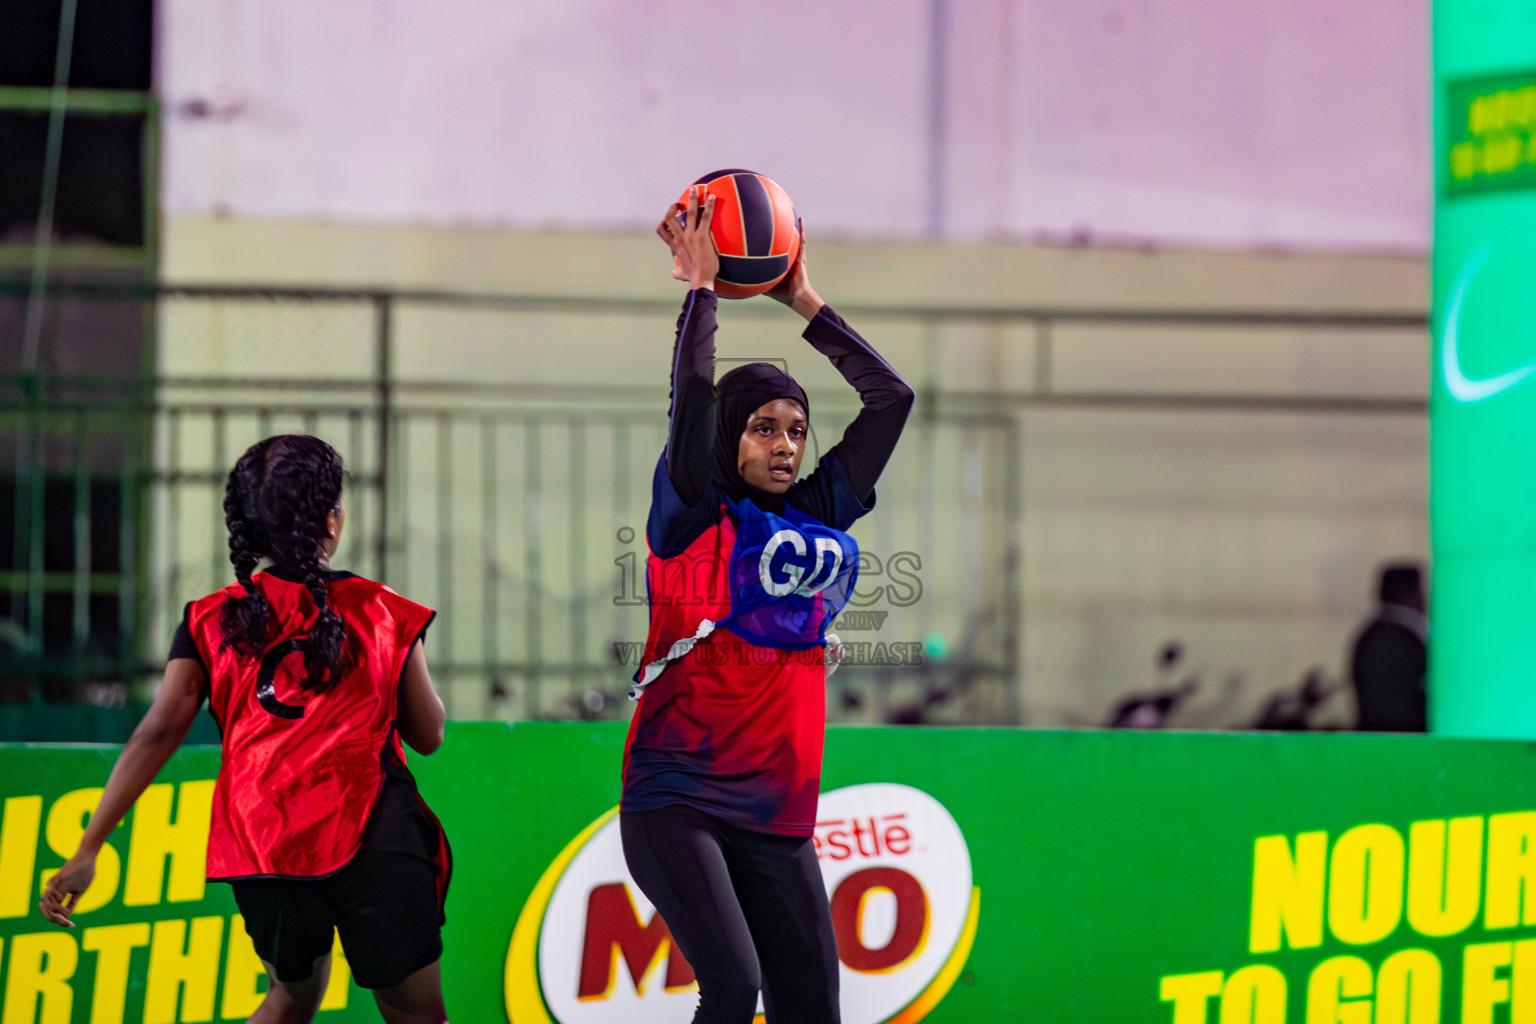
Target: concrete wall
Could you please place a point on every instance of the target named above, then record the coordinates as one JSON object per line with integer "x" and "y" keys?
{"x": 1294, "y": 125}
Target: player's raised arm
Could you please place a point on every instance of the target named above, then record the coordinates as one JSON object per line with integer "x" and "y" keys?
{"x": 675, "y": 517}
{"x": 885, "y": 399}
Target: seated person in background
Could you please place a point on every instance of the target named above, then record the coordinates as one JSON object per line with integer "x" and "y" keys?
{"x": 1390, "y": 657}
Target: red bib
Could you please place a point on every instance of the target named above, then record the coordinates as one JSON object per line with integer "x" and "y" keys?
{"x": 731, "y": 727}
{"x": 301, "y": 771}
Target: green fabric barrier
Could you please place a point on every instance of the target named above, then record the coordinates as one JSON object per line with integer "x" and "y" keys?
{"x": 976, "y": 875}
{"x": 39, "y": 721}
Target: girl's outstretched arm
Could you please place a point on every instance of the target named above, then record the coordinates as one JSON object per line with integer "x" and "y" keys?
{"x": 885, "y": 398}
{"x": 679, "y": 513}
{"x": 154, "y": 740}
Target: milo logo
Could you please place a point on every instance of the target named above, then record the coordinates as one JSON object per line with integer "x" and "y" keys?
{"x": 589, "y": 948}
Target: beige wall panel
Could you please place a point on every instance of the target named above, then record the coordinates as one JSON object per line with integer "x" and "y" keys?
{"x": 200, "y": 249}
{"x": 1096, "y": 657}
{"x": 1385, "y": 363}
{"x": 1253, "y": 540}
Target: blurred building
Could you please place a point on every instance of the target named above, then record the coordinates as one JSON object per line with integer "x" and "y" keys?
{"x": 1157, "y": 271}
{"x": 79, "y": 230}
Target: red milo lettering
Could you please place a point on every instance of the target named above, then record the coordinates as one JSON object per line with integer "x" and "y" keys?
{"x": 612, "y": 921}
{"x": 907, "y": 937}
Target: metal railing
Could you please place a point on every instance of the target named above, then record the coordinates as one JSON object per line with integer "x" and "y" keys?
{"x": 517, "y": 509}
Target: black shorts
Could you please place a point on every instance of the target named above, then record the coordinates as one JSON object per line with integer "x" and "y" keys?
{"x": 387, "y": 903}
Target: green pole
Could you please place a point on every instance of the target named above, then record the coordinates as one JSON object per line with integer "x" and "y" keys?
{"x": 1483, "y": 399}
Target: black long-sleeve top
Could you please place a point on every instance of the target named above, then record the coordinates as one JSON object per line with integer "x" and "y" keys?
{"x": 841, "y": 487}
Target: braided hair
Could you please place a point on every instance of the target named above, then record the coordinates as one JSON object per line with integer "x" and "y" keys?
{"x": 275, "y": 505}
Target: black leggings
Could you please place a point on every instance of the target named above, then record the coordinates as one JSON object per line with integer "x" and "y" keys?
{"x": 747, "y": 909}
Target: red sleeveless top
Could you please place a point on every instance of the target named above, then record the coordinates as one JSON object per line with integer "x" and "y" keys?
{"x": 302, "y": 771}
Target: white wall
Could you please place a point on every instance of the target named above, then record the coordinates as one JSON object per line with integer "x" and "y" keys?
{"x": 1209, "y": 122}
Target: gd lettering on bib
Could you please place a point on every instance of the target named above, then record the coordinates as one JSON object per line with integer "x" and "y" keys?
{"x": 790, "y": 576}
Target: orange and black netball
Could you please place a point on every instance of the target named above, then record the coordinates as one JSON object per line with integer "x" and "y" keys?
{"x": 755, "y": 231}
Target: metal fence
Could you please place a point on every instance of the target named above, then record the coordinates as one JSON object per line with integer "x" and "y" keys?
{"x": 517, "y": 509}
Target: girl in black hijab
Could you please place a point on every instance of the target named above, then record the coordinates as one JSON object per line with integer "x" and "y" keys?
{"x": 749, "y": 565}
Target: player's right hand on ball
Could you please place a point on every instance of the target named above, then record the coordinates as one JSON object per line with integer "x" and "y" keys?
{"x": 686, "y": 232}
{"x": 64, "y": 889}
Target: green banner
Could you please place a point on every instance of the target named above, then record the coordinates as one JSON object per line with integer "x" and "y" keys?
{"x": 974, "y": 875}
{"x": 1483, "y": 392}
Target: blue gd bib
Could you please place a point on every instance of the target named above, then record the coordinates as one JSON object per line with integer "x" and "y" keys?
{"x": 790, "y": 576}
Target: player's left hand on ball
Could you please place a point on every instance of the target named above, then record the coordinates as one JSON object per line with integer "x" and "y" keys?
{"x": 64, "y": 889}
{"x": 795, "y": 289}
{"x": 798, "y": 280}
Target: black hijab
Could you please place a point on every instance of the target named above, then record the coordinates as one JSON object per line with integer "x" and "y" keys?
{"x": 738, "y": 395}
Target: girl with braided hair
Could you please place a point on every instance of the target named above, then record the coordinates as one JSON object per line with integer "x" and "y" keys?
{"x": 314, "y": 677}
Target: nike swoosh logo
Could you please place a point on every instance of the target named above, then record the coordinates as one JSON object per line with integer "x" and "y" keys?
{"x": 1463, "y": 388}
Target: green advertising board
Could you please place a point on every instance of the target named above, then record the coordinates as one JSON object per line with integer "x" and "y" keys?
{"x": 1483, "y": 398}
{"x": 974, "y": 875}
